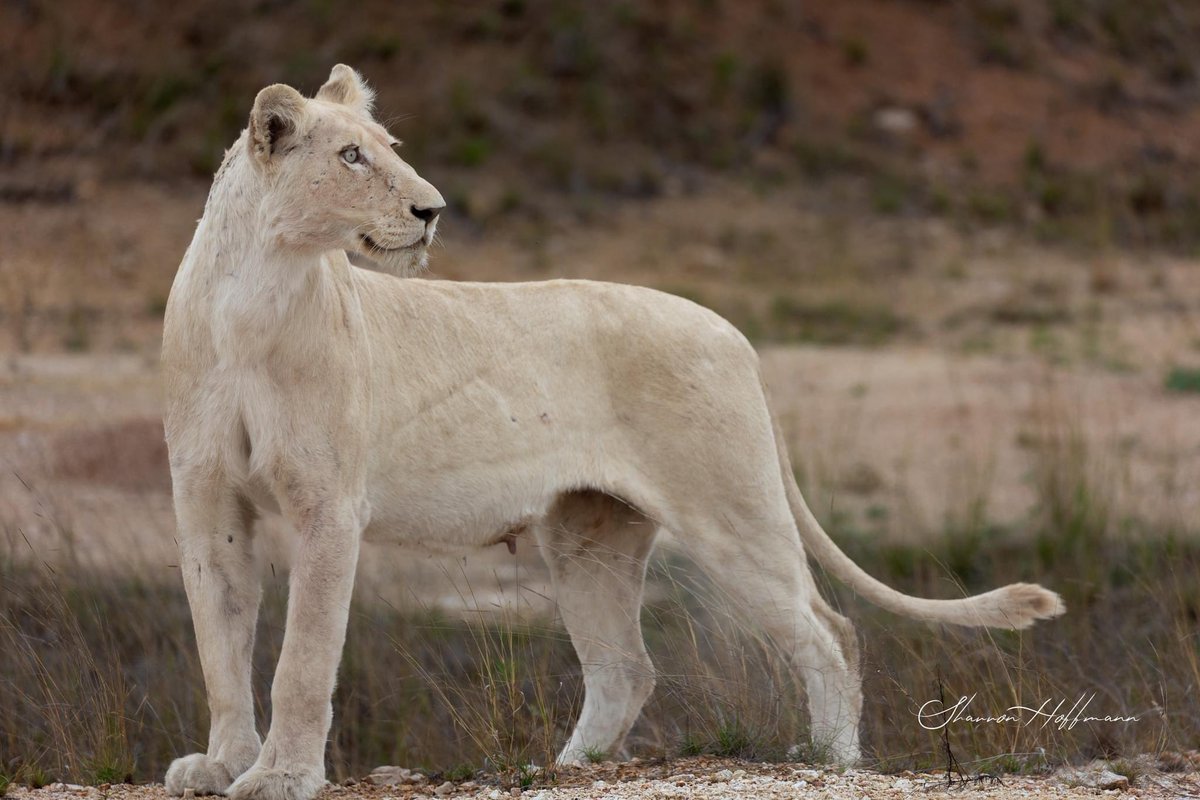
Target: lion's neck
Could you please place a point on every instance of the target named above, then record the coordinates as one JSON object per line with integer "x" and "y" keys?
{"x": 252, "y": 292}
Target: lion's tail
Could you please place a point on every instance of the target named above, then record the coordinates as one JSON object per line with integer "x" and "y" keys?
{"x": 1015, "y": 606}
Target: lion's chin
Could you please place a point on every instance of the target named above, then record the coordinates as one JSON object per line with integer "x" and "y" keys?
{"x": 403, "y": 264}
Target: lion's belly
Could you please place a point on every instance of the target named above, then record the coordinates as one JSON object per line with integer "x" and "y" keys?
{"x": 455, "y": 511}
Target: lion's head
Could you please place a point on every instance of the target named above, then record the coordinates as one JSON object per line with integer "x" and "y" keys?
{"x": 333, "y": 178}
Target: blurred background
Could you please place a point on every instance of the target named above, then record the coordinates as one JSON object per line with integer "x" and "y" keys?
{"x": 963, "y": 234}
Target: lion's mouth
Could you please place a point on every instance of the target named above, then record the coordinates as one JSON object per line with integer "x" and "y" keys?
{"x": 376, "y": 247}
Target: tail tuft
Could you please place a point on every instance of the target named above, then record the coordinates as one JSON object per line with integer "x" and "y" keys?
{"x": 1016, "y": 606}
{"x": 1026, "y": 603}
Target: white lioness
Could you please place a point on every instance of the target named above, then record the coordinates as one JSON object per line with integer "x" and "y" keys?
{"x": 437, "y": 414}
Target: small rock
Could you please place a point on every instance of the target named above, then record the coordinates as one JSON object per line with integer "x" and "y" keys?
{"x": 445, "y": 789}
{"x": 683, "y": 776}
{"x": 388, "y": 776}
{"x": 724, "y": 775}
{"x": 598, "y": 784}
{"x": 515, "y": 791}
{"x": 809, "y": 775}
{"x": 495, "y": 794}
{"x": 1174, "y": 761}
{"x": 903, "y": 784}
{"x": 739, "y": 773}
{"x": 895, "y": 121}
{"x": 1095, "y": 775}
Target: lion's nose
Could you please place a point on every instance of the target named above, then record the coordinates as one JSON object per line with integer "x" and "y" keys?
{"x": 428, "y": 214}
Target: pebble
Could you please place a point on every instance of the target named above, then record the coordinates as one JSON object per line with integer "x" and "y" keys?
{"x": 390, "y": 776}
{"x": 896, "y": 121}
{"x": 724, "y": 775}
{"x": 1095, "y": 775}
{"x": 445, "y": 789}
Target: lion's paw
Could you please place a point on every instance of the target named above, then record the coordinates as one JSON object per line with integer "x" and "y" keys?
{"x": 198, "y": 772}
{"x": 261, "y": 783}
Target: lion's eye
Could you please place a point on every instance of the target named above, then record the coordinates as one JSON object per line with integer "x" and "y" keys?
{"x": 351, "y": 155}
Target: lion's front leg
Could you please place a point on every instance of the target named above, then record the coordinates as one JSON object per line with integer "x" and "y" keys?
{"x": 223, "y": 588}
{"x": 291, "y": 765}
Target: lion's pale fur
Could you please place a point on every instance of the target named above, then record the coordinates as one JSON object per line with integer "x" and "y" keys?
{"x": 450, "y": 415}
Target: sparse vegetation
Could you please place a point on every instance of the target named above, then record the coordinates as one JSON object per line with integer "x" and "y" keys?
{"x": 95, "y": 698}
{"x": 855, "y": 51}
{"x": 833, "y": 322}
{"x": 594, "y": 756}
{"x": 1184, "y": 380}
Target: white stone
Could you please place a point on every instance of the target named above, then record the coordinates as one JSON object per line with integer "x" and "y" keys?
{"x": 895, "y": 120}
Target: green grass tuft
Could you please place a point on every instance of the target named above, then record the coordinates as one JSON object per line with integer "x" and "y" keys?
{"x": 1184, "y": 380}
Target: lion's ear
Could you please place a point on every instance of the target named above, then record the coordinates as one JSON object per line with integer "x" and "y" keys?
{"x": 345, "y": 86}
{"x": 277, "y": 114}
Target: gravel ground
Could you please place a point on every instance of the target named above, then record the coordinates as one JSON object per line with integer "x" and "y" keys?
{"x": 716, "y": 779}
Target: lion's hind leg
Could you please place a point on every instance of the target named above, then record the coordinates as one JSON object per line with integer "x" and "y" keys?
{"x": 597, "y": 548}
{"x": 758, "y": 564}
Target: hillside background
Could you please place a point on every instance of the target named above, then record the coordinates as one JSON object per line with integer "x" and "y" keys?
{"x": 964, "y": 234}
